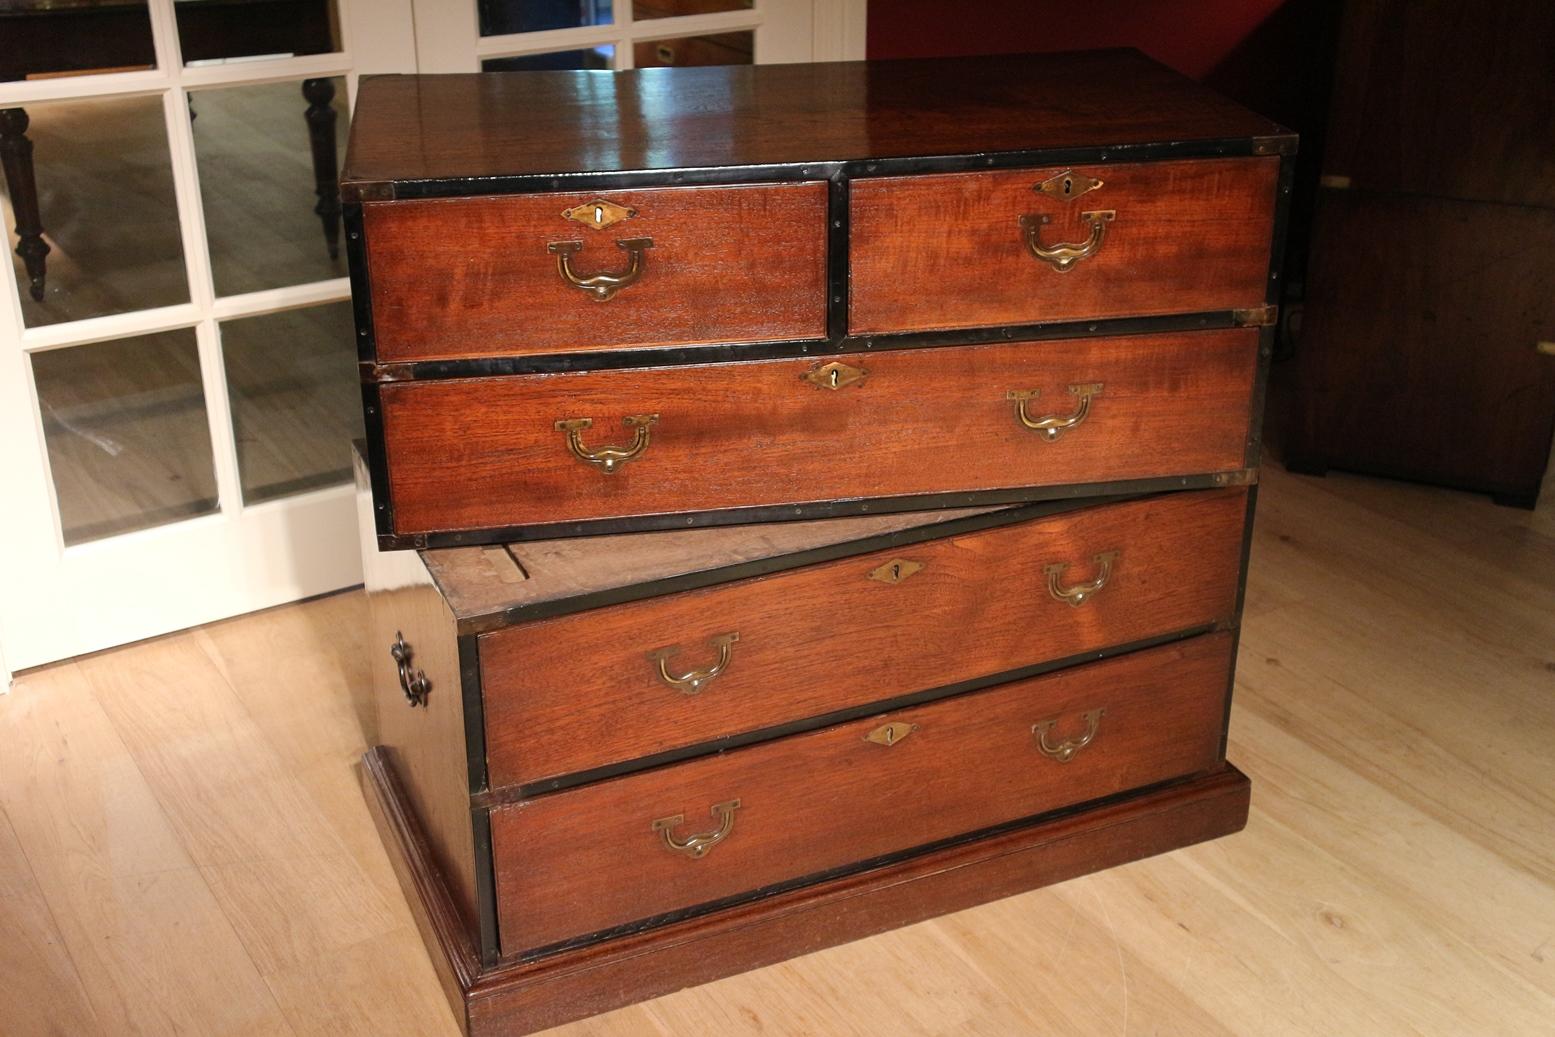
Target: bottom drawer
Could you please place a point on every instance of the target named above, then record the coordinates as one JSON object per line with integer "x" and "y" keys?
{"x": 592, "y": 858}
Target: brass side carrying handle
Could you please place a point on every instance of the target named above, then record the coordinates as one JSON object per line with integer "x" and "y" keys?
{"x": 602, "y": 287}
{"x": 607, "y": 458}
{"x": 1080, "y": 593}
{"x": 415, "y": 687}
{"x": 693, "y": 681}
{"x": 1051, "y": 426}
{"x": 1065, "y": 751}
{"x": 697, "y": 846}
{"x": 1065, "y": 254}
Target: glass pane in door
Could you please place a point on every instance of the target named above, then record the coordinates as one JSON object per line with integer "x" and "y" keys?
{"x": 296, "y": 402}
{"x": 593, "y": 58}
{"x": 90, "y": 185}
{"x": 214, "y": 30}
{"x": 500, "y": 17}
{"x": 128, "y": 441}
{"x": 726, "y": 48}
{"x": 49, "y": 38}
{"x": 645, "y": 9}
{"x": 269, "y": 161}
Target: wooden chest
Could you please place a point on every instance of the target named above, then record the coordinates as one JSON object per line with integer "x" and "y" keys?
{"x": 634, "y": 732}
{"x": 715, "y": 295}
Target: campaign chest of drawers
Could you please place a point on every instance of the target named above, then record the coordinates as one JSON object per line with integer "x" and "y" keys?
{"x": 989, "y": 337}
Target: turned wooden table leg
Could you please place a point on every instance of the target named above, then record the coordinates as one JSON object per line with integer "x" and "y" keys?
{"x": 16, "y": 157}
{"x": 321, "y": 139}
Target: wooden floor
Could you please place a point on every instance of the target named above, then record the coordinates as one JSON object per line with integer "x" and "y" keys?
{"x": 183, "y": 847}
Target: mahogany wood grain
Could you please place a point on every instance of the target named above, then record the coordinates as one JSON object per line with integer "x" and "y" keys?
{"x": 948, "y": 251}
{"x": 827, "y": 637}
{"x": 466, "y": 277}
{"x": 427, "y": 743}
{"x": 586, "y": 859}
{"x": 415, "y": 128}
{"x": 466, "y": 454}
{"x": 522, "y": 998}
{"x": 480, "y": 587}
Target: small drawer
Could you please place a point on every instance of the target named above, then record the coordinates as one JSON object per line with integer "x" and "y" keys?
{"x": 639, "y": 847}
{"x": 976, "y": 249}
{"x": 610, "y": 685}
{"x": 489, "y": 453}
{"x": 511, "y": 274}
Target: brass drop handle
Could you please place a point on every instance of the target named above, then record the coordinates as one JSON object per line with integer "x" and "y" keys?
{"x": 415, "y": 687}
{"x": 1065, "y": 254}
{"x": 693, "y": 681}
{"x": 1080, "y": 593}
{"x": 607, "y": 458}
{"x": 1051, "y": 426}
{"x": 697, "y": 846}
{"x": 1065, "y": 751}
{"x": 602, "y": 287}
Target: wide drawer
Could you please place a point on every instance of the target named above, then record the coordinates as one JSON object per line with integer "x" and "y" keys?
{"x": 962, "y": 250}
{"x": 601, "y": 687}
{"x": 634, "y": 848}
{"x": 505, "y": 275}
{"x": 487, "y": 453}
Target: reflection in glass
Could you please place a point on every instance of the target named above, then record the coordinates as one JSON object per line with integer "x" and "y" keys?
{"x": 593, "y": 58}
{"x": 296, "y": 404}
{"x": 125, "y": 425}
{"x": 269, "y": 159}
{"x": 91, "y": 188}
{"x": 645, "y": 9}
{"x": 500, "y": 17}
{"x": 726, "y": 48}
{"x": 46, "y": 38}
{"x": 213, "y": 30}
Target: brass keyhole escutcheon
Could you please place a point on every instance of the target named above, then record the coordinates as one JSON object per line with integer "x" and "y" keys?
{"x": 895, "y": 571}
{"x": 890, "y": 734}
{"x": 835, "y": 375}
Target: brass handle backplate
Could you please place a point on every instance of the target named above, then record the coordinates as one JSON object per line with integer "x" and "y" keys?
{"x": 607, "y": 458}
{"x": 693, "y": 681}
{"x": 602, "y": 287}
{"x": 697, "y": 846}
{"x": 1051, "y": 426}
{"x": 1065, "y": 254}
{"x": 1065, "y": 751}
{"x": 415, "y": 687}
{"x": 1080, "y": 593}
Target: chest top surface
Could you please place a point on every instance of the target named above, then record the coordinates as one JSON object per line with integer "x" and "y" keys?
{"x": 505, "y": 124}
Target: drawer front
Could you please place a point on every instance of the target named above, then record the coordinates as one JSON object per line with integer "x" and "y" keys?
{"x": 492, "y": 452}
{"x": 603, "y": 855}
{"x": 960, "y": 250}
{"x": 467, "y": 277}
{"x": 594, "y": 688}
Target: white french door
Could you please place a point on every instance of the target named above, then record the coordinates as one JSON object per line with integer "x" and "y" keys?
{"x": 494, "y": 35}
{"x": 177, "y": 382}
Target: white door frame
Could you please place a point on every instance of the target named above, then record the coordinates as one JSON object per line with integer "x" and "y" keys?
{"x": 448, "y": 34}
{"x": 58, "y": 600}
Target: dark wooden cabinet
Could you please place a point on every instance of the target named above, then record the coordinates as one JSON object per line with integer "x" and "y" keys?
{"x": 1425, "y": 349}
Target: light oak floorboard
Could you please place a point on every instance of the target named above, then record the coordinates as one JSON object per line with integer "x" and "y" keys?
{"x": 1395, "y": 708}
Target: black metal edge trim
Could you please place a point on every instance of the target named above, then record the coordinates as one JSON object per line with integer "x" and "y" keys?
{"x": 778, "y": 172}
{"x": 356, "y": 270}
{"x": 374, "y": 451}
{"x": 485, "y": 888}
{"x": 817, "y": 510}
{"x": 790, "y": 349}
{"x": 884, "y": 860}
{"x": 474, "y": 711}
{"x": 838, "y": 261}
{"x": 1260, "y": 399}
{"x": 841, "y": 716}
{"x": 1236, "y": 616}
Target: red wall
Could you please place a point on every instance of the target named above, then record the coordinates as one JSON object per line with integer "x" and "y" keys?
{"x": 1192, "y": 36}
